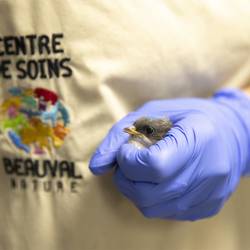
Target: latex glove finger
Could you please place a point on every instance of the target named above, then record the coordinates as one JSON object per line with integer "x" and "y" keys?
{"x": 145, "y": 194}
{"x": 104, "y": 157}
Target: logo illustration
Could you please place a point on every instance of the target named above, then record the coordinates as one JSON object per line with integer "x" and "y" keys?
{"x": 35, "y": 120}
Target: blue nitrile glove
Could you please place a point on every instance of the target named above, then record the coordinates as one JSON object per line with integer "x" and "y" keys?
{"x": 191, "y": 172}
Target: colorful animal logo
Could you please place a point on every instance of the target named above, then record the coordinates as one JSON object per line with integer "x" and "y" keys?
{"x": 35, "y": 120}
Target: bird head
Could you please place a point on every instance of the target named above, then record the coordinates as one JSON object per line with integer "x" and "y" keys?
{"x": 147, "y": 131}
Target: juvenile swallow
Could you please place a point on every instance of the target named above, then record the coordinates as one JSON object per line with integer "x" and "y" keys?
{"x": 147, "y": 131}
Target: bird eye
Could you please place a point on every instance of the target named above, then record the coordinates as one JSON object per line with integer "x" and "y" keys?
{"x": 149, "y": 130}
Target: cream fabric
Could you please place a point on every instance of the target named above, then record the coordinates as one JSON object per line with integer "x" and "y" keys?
{"x": 122, "y": 53}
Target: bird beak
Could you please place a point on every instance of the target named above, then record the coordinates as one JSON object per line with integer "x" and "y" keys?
{"x": 132, "y": 131}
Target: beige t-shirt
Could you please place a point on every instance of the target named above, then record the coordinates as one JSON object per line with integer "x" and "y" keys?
{"x": 69, "y": 70}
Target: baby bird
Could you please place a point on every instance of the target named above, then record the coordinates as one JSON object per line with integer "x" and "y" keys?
{"x": 147, "y": 131}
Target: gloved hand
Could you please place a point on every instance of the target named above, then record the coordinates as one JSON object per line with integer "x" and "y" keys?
{"x": 190, "y": 173}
